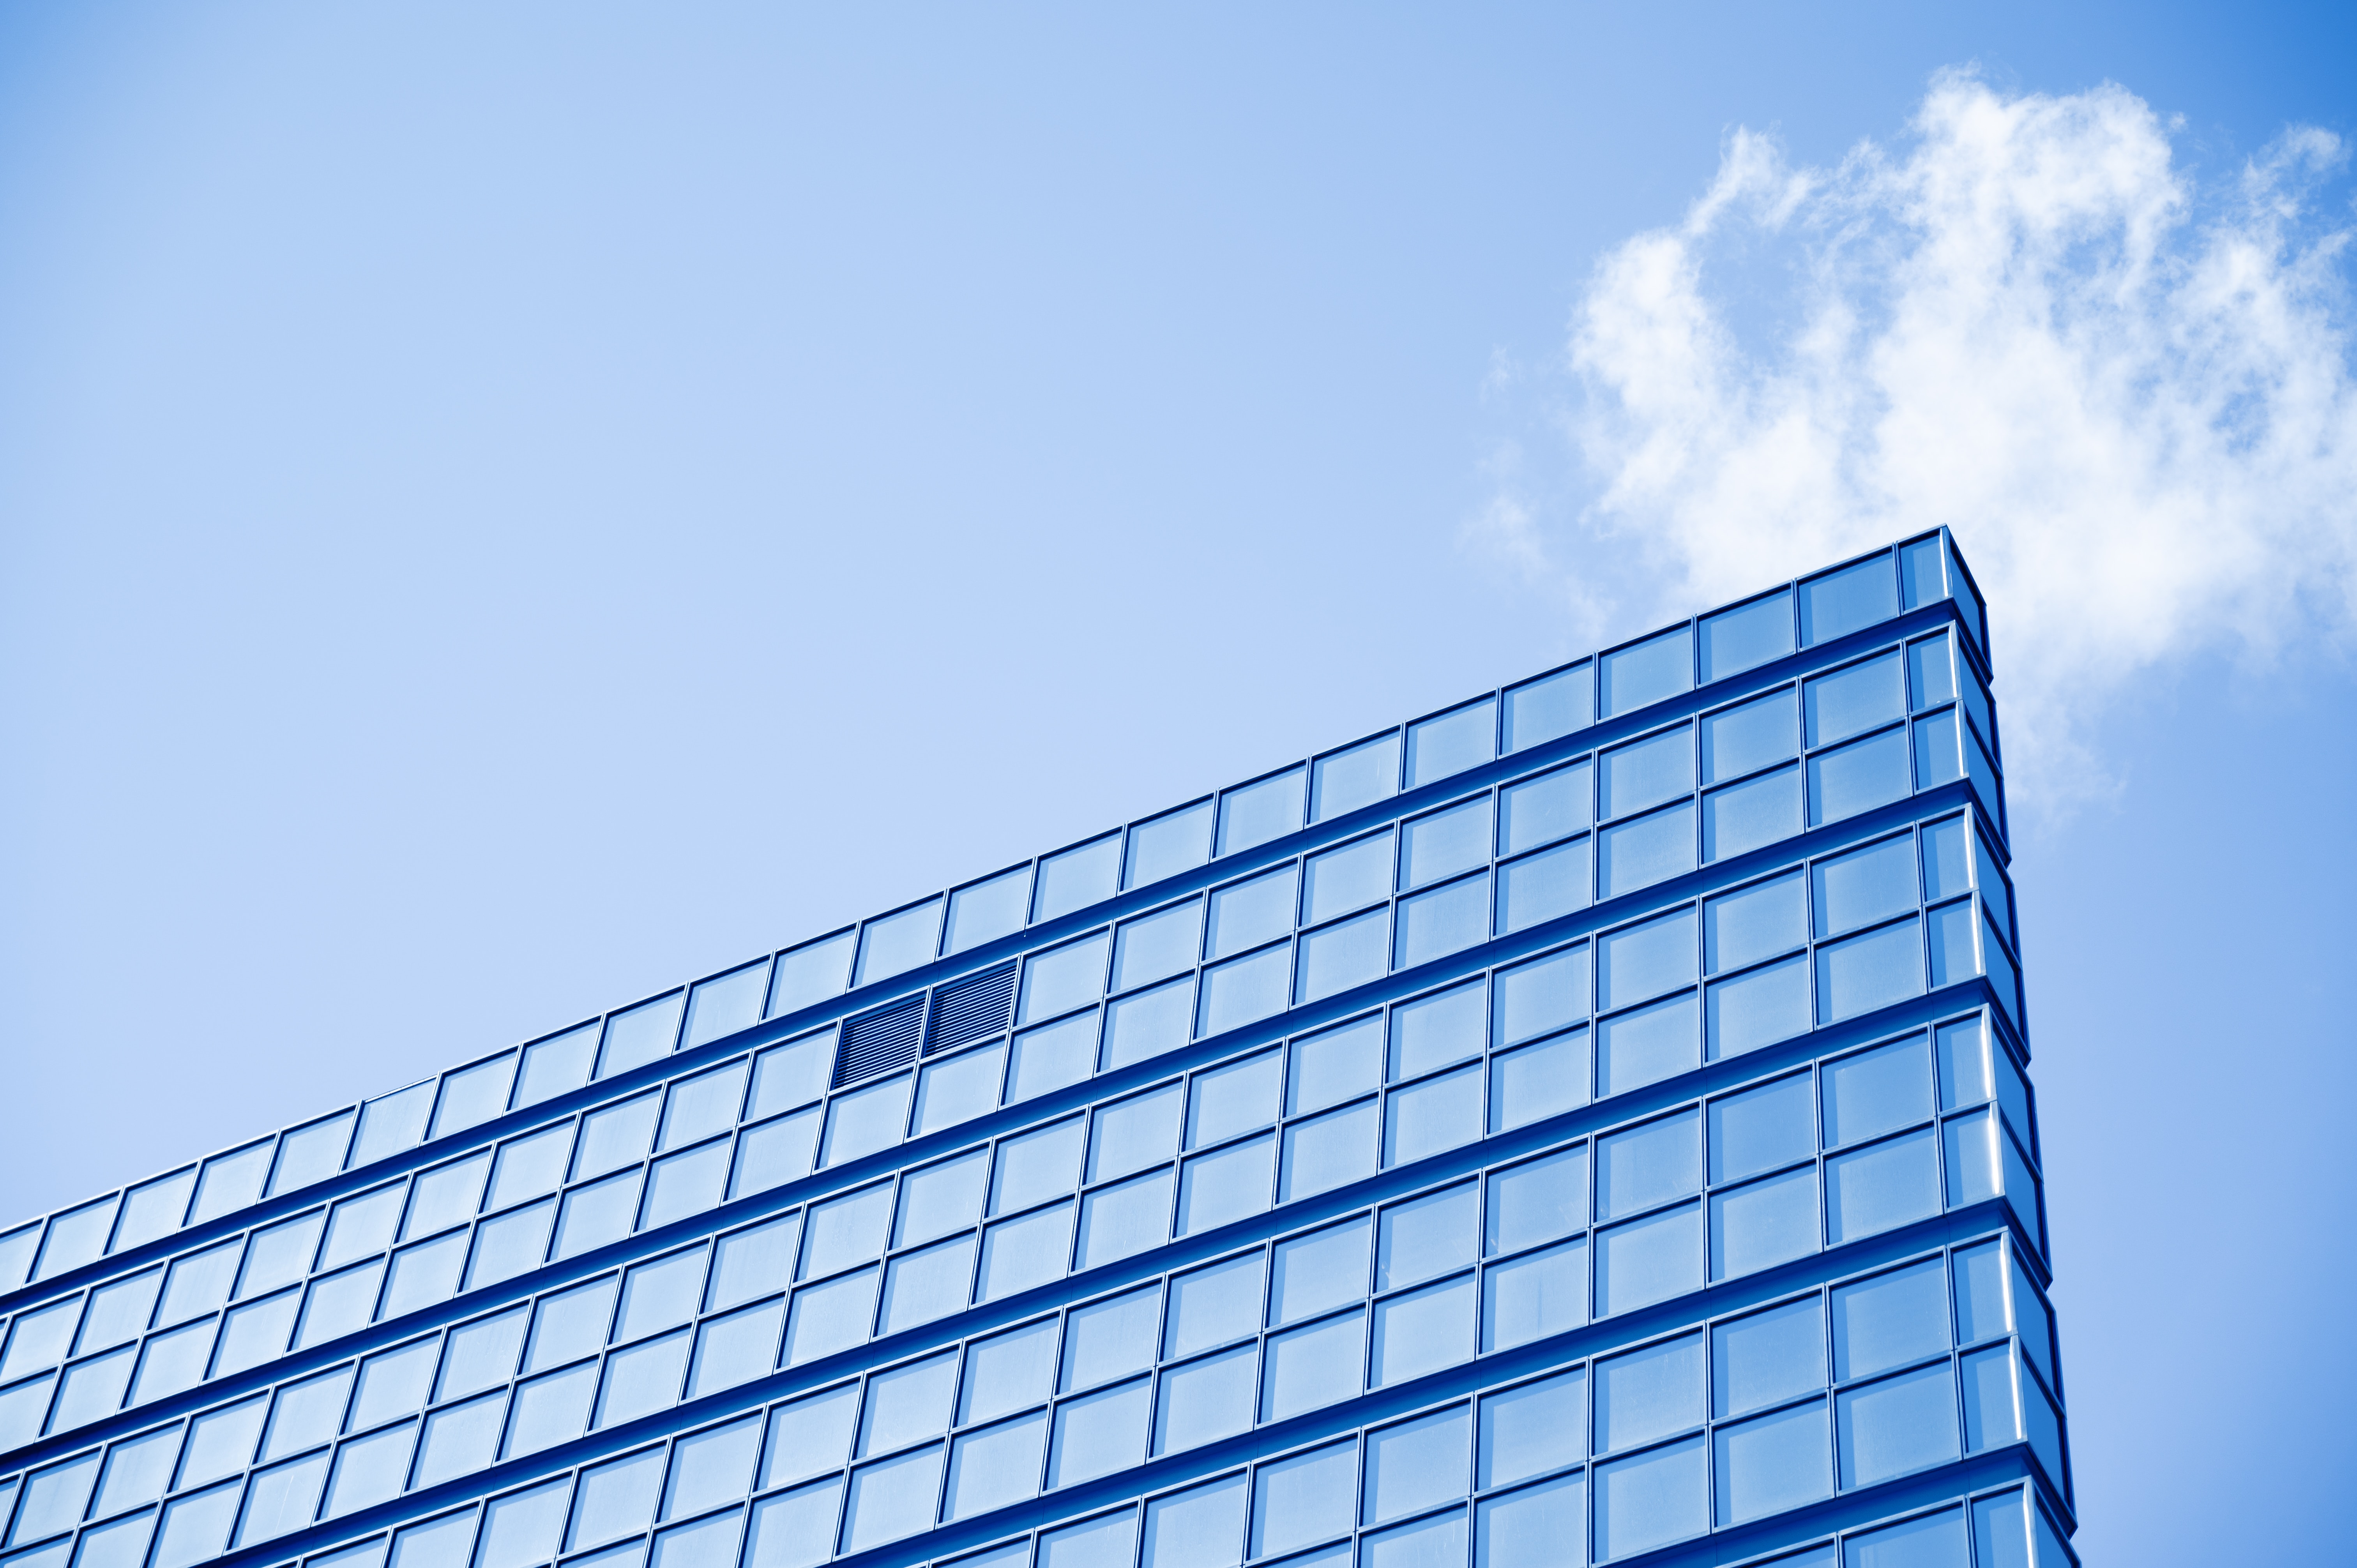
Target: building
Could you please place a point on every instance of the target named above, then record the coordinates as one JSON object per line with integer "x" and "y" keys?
{"x": 1588, "y": 1123}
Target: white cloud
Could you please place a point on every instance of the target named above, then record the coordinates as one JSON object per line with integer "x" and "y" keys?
{"x": 2129, "y": 395}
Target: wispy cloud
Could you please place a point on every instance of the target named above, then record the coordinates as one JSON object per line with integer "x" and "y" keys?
{"x": 2129, "y": 394}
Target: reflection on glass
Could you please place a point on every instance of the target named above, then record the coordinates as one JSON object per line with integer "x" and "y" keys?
{"x": 1646, "y": 1045}
{"x": 1645, "y": 773}
{"x": 1865, "y": 886}
{"x": 1743, "y": 817}
{"x": 987, "y": 911}
{"x": 1335, "y": 1065}
{"x": 1076, "y": 878}
{"x": 1649, "y": 1260}
{"x": 1347, "y": 779}
{"x": 1902, "y": 1424}
{"x": 1247, "y": 914}
{"x": 1877, "y": 1091}
{"x": 1344, "y": 879}
{"x": 1881, "y": 1185}
{"x": 1659, "y": 667}
{"x": 1644, "y": 851}
{"x": 1857, "y": 777}
{"x": 1326, "y": 1269}
{"x": 1444, "y": 843}
{"x": 1416, "y": 1464}
{"x": 1650, "y": 1498}
{"x": 1176, "y": 842}
{"x": 1541, "y": 995}
{"x": 1743, "y": 739}
{"x": 1533, "y": 1082}
{"x": 1755, "y": 922}
{"x": 1773, "y": 1463}
{"x": 897, "y": 942}
{"x": 1255, "y": 813}
{"x": 1542, "y": 810}
{"x": 1747, "y": 635}
{"x": 1539, "y": 888}
{"x": 1865, "y": 972}
{"x": 1451, "y": 742}
{"x": 1441, "y": 921}
{"x": 1550, "y": 706}
{"x": 1641, "y": 962}
{"x": 1842, "y": 602}
{"x": 812, "y": 973}
{"x": 1535, "y": 1295}
{"x": 1343, "y": 955}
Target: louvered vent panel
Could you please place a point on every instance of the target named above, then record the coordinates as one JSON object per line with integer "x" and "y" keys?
{"x": 879, "y": 1041}
{"x": 975, "y": 1008}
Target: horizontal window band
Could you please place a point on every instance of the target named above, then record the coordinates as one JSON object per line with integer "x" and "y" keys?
{"x": 1443, "y": 1166}
{"x": 1342, "y": 1417}
{"x": 1405, "y": 803}
{"x": 1631, "y": 1105}
{"x": 1295, "y": 1020}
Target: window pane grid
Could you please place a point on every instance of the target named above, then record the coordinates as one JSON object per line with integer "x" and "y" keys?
{"x": 605, "y": 1204}
{"x": 1427, "y": 749}
{"x": 1469, "y": 1450}
{"x": 640, "y": 1339}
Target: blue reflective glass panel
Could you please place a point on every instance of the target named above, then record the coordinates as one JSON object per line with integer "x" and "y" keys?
{"x": 1451, "y": 742}
{"x": 1864, "y": 973}
{"x": 1651, "y": 1498}
{"x": 1863, "y": 886}
{"x": 1757, "y": 1008}
{"x": 1550, "y": 706}
{"x": 1076, "y": 878}
{"x": 1659, "y": 667}
{"x": 1255, "y": 813}
{"x": 1359, "y": 777}
{"x": 1746, "y": 738}
{"x": 1755, "y": 922}
{"x": 1176, "y": 842}
{"x": 1543, "y": 810}
{"x": 1647, "y": 1044}
{"x": 1645, "y": 773}
{"x": 1842, "y": 602}
{"x": 1772, "y": 1463}
{"x": 987, "y": 911}
{"x": 1902, "y": 1424}
{"x": 1743, "y": 817}
{"x": 1857, "y": 777}
{"x": 1878, "y": 1090}
{"x": 1443, "y": 843}
{"x": 1542, "y": 886}
{"x": 1767, "y": 1357}
{"x": 1746, "y": 636}
{"x": 1247, "y": 914}
{"x": 1645, "y": 850}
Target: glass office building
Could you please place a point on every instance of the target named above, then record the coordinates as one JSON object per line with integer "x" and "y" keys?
{"x": 1590, "y": 1123}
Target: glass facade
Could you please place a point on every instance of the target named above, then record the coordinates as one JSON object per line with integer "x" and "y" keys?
{"x": 1590, "y": 1123}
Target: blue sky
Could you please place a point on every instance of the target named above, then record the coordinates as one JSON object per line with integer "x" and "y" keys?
{"x": 502, "y": 509}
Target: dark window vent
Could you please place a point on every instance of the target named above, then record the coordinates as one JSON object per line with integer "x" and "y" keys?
{"x": 974, "y": 1009}
{"x": 879, "y": 1041}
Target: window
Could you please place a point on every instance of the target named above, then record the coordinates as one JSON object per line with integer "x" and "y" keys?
{"x": 1648, "y": 671}
{"x": 1645, "y": 773}
{"x": 1255, "y": 813}
{"x": 1345, "y": 781}
{"x": 1844, "y": 601}
{"x": 1168, "y": 845}
{"x": 1451, "y": 742}
{"x": 1550, "y": 706}
{"x": 1746, "y": 636}
{"x": 1542, "y": 810}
